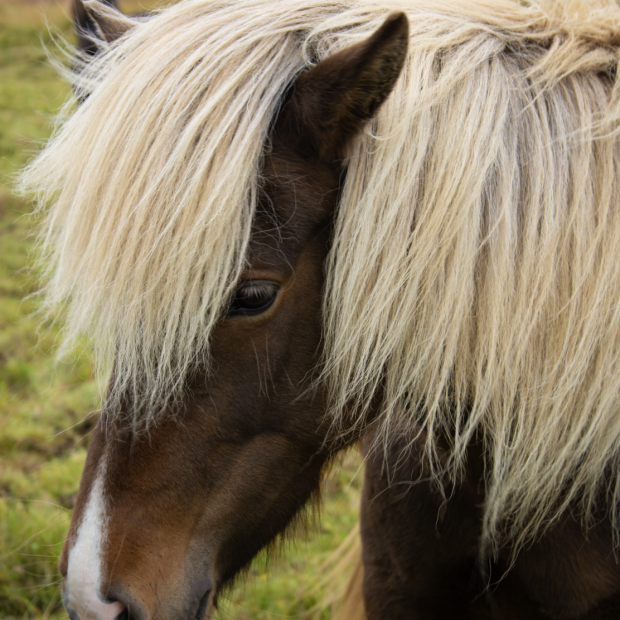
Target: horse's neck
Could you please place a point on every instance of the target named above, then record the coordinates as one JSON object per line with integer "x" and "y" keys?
{"x": 427, "y": 542}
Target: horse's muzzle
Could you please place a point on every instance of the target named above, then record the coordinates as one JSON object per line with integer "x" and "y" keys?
{"x": 92, "y": 606}
{"x": 89, "y": 605}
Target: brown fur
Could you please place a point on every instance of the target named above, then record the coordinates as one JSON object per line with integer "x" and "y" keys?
{"x": 421, "y": 553}
{"x": 358, "y": 79}
{"x": 246, "y": 457}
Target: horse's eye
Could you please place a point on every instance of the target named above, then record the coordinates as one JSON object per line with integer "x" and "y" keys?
{"x": 253, "y": 297}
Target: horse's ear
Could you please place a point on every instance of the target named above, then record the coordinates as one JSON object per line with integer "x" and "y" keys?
{"x": 102, "y": 18}
{"x": 330, "y": 103}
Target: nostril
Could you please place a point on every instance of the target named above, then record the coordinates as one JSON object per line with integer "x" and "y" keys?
{"x": 129, "y": 607}
{"x": 125, "y": 614}
{"x": 85, "y": 603}
{"x": 202, "y": 606}
{"x": 113, "y": 610}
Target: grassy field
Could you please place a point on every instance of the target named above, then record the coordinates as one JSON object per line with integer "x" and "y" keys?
{"x": 47, "y": 409}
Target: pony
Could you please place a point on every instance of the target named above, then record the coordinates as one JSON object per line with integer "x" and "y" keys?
{"x": 289, "y": 225}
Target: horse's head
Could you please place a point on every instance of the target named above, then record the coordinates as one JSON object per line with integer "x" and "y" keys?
{"x": 167, "y": 517}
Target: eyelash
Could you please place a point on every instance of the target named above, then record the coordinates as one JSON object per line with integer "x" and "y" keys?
{"x": 252, "y": 298}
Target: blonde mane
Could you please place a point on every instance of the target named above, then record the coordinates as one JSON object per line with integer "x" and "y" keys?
{"x": 474, "y": 277}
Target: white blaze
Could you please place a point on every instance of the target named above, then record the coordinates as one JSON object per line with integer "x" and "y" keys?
{"x": 84, "y": 570}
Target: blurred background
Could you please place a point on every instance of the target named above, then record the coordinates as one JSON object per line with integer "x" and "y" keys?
{"x": 49, "y": 408}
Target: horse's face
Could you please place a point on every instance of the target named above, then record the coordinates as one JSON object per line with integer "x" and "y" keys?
{"x": 164, "y": 519}
{"x": 191, "y": 502}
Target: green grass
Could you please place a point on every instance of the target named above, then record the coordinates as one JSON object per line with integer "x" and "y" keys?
{"x": 47, "y": 409}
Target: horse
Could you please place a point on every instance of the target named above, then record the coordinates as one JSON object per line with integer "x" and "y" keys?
{"x": 291, "y": 225}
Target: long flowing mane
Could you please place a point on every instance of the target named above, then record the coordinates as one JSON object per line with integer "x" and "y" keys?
{"x": 473, "y": 281}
